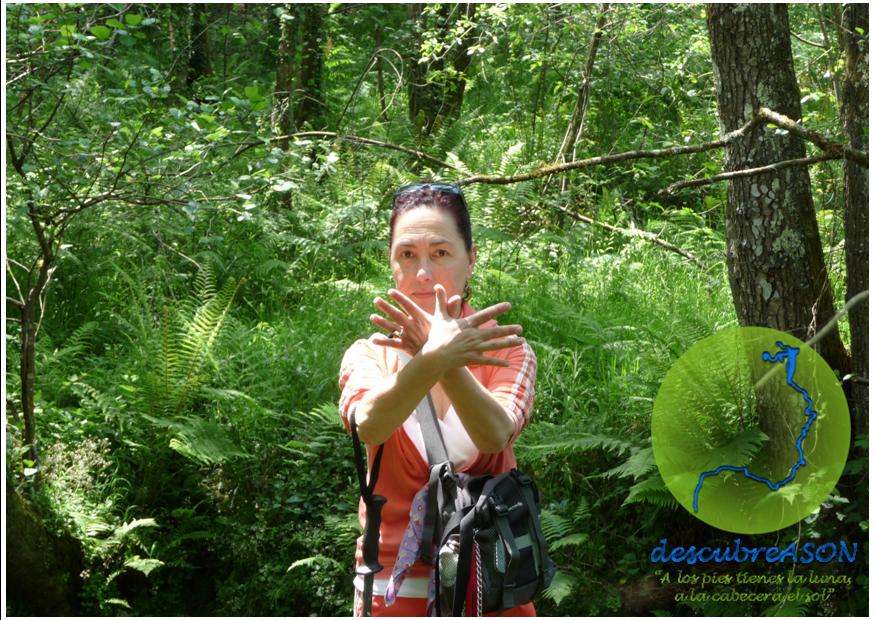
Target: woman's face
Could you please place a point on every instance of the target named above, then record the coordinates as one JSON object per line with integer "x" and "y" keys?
{"x": 427, "y": 249}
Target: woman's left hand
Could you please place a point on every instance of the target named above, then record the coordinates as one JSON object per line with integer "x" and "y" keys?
{"x": 408, "y": 328}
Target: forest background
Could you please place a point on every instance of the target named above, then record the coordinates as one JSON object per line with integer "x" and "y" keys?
{"x": 196, "y": 226}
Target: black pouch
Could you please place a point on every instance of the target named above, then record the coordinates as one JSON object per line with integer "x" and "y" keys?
{"x": 491, "y": 553}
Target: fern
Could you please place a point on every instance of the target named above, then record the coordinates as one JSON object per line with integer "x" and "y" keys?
{"x": 198, "y": 440}
{"x": 555, "y": 438}
{"x": 185, "y": 348}
{"x": 554, "y": 525}
{"x": 74, "y": 349}
{"x": 571, "y": 540}
{"x": 739, "y": 451}
{"x": 640, "y": 463}
{"x": 651, "y": 491}
{"x": 93, "y": 398}
{"x": 144, "y": 565}
{"x": 561, "y": 587}
{"x": 316, "y": 559}
{"x": 583, "y": 511}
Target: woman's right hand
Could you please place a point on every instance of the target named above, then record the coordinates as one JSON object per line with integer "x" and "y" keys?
{"x": 461, "y": 342}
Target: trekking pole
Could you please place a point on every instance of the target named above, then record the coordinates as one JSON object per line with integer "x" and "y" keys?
{"x": 373, "y": 517}
{"x": 370, "y": 552}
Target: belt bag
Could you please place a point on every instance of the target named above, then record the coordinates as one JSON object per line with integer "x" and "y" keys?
{"x": 482, "y": 534}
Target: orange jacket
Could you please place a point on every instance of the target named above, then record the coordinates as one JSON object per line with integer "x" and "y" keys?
{"x": 404, "y": 469}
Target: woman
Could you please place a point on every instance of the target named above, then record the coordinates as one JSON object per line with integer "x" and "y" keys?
{"x": 480, "y": 375}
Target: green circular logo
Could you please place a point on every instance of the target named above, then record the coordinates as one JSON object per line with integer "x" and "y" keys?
{"x": 750, "y": 430}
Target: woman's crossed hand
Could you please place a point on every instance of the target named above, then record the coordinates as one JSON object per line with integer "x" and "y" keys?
{"x": 453, "y": 341}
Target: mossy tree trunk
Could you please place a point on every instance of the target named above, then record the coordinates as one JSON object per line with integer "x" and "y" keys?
{"x": 200, "y": 62}
{"x": 283, "y": 108}
{"x": 42, "y": 572}
{"x": 854, "y": 114}
{"x": 775, "y": 260}
{"x": 436, "y": 88}
{"x": 309, "y": 100}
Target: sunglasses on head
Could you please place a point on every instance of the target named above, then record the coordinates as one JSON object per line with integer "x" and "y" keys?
{"x": 446, "y": 188}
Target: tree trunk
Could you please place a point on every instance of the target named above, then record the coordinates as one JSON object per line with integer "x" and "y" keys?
{"x": 568, "y": 149}
{"x": 42, "y": 572}
{"x": 380, "y": 82}
{"x": 430, "y": 99}
{"x": 283, "y": 108}
{"x": 460, "y": 61}
{"x": 854, "y": 114}
{"x": 200, "y": 64}
{"x": 27, "y": 375}
{"x": 27, "y": 352}
{"x": 775, "y": 260}
{"x": 179, "y": 33}
{"x": 310, "y": 104}
{"x": 423, "y": 106}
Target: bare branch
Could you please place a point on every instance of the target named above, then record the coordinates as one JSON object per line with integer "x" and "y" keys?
{"x": 857, "y": 298}
{"x": 42, "y": 301}
{"x": 175, "y": 251}
{"x": 834, "y": 150}
{"x": 805, "y": 41}
{"x": 20, "y": 300}
{"x": 749, "y": 172}
{"x": 600, "y": 160}
{"x": 346, "y": 138}
{"x": 636, "y": 232}
{"x": 829, "y": 146}
{"x": 121, "y": 168}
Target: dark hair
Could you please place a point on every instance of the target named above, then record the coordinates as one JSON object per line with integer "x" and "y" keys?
{"x": 437, "y": 196}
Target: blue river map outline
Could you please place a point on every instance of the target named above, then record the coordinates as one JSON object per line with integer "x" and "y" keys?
{"x": 787, "y": 355}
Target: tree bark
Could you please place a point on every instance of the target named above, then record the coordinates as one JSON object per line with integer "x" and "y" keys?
{"x": 42, "y": 571}
{"x": 568, "y": 149}
{"x": 854, "y": 116}
{"x": 460, "y": 61}
{"x": 200, "y": 63}
{"x": 310, "y": 104}
{"x": 27, "y": 353}
{"x": 179, "y": 34}
{"x": 431, "y": 100}
{"x": 380, "y": 82}
{"x": 775, "y": 261}
{"x": 283, "y": 107}
{"x": 423, "y": 103}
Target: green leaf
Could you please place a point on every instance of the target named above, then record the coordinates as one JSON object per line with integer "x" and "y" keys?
{"x": 144, "y": 565}
{"x": 133, "y": 19}
{"x": 127, "y": 528}
{"x": 203, "y": 441}
{"x": 316, "y": 559}
{"x": 283, "y": 186}
{"x": 101, "y": 32}
{"x": 562, "y": 585}
{"x": 114, "y": 23}
{"x": 574, "y": 540}
{"x": 117, "y": 601}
